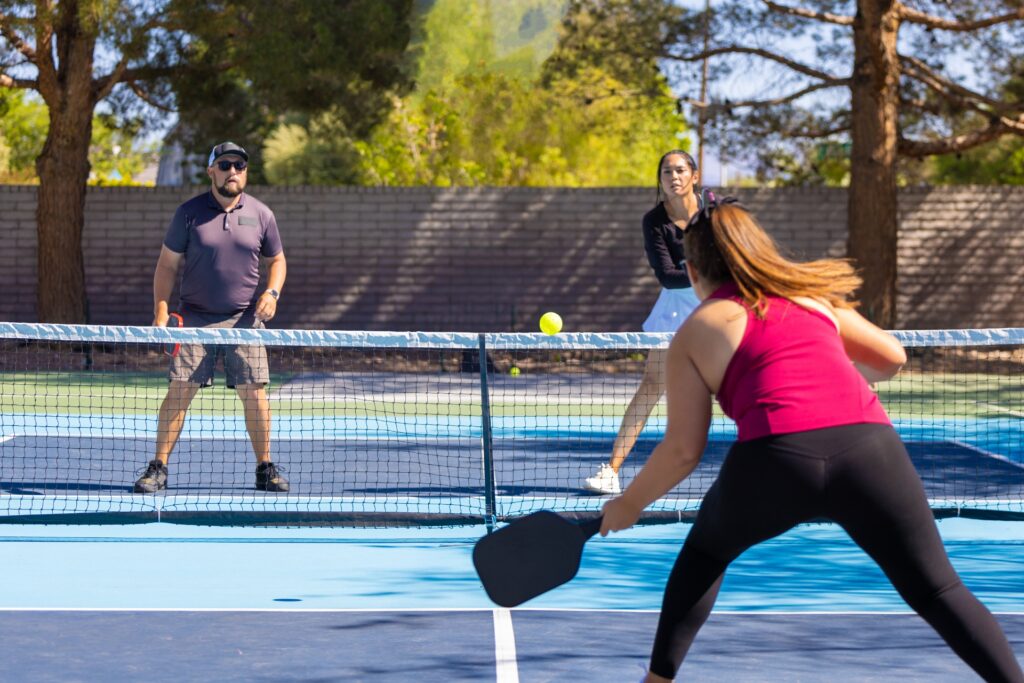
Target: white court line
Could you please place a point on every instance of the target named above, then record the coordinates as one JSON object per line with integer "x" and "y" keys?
{"x": 8, "y": 438}
{"x": 1000, "y": 409}
{"x": 241, "y": 436}
{"x": 507, "y": 669}
{"x": 442, "y": 610}
{"x": 989, "y": 454}
{"x": 288, "y": 610}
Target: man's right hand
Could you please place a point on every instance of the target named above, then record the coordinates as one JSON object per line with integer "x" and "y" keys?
{"x": 160, "y": 320}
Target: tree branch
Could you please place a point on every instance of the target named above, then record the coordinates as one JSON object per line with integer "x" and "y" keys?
{"x": 767, "y": 103}
{"x": 144, "y": 96}
{"x": 47, "y": 76}
{"x": 22, "y": 83}
{"x": 931, "y": 21}
{"x": 764, "y": 54}
{"x": 146, "y": 73}
{"x": 827, "y": 17}
{"x": 820, "y": 132}
{"x": 15, "y": 40}
{"x": 919, "y": 71}
{"x": 104, "y": 84}
{"x": 958, "y": 143}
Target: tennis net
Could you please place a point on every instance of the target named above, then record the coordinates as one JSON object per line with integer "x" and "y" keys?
{"x": 375, "y": 428}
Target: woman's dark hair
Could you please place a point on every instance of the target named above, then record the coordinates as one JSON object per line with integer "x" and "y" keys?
{"x": 689, "y": 162}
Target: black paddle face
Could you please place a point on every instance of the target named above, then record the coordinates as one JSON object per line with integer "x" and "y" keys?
{"x": 530, "y": 556}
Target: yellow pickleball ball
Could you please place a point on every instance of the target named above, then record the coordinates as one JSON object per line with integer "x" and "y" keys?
{"x": 514, "y": 371}
{"x": 551, "y": 323}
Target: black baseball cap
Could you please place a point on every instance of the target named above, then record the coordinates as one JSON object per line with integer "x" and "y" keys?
{"x": 224, "y": 149}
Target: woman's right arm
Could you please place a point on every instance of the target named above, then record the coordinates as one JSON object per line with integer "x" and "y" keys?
{"x": 670, "y": 274}
{"x": 875, "y": 353}
{"x": 689, "y": 416}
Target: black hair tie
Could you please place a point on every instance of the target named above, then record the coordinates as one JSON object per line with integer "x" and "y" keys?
{"x": 709, "y": 208}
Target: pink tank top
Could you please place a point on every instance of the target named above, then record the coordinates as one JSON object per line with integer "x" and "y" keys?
{"x": 791, "y": 374}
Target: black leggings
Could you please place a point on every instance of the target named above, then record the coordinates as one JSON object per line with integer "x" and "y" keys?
{"x": 858, "y": 476}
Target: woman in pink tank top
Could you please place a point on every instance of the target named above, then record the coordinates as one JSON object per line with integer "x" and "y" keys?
{"x": 789, "y": 359}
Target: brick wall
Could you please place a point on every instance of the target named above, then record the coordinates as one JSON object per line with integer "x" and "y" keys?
{"x": 494, "y": 259}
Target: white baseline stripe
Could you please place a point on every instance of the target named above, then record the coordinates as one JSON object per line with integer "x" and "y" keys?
{"x": 278, "y": 610}
{"x": 1000, "y": 409}
{"x": 442, "y": 610}
{"x": 988, "y": 454}
{"x": 241, "y": 436}
{"x": 505, "y": 647}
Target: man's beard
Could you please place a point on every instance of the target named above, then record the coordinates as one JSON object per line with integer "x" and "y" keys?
{"x": 225, "y": 191}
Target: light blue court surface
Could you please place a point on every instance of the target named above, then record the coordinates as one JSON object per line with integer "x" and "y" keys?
{"x": 161, "y": 602}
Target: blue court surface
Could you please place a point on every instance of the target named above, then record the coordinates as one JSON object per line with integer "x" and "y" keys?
{"x": 163, "y": 602}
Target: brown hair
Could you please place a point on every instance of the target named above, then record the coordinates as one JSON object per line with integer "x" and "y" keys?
{"x": 724, "y": 242}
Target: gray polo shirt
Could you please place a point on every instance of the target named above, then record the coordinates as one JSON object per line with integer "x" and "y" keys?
{"x": 222, "y": 252}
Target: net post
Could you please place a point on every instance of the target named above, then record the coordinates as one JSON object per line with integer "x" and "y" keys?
{"x": 486, "y": 442}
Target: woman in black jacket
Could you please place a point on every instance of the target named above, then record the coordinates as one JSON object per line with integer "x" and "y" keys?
{"x": 679, "y": 198}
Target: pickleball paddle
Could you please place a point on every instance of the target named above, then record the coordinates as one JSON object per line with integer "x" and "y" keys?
{"x": 531, "y": 556}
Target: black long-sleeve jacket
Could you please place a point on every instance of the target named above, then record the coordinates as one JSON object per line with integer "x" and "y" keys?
{"x": 663, "y": 243}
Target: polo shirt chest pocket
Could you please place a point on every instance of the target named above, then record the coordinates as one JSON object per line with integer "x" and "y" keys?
{"x": 248, "y": 231}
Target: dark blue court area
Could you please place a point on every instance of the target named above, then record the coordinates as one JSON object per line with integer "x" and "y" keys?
{"x": 38, "y": 465}
{"x": 372, "y": 647}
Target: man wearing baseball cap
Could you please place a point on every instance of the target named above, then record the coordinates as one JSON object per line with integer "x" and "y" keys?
{"x": 221, "y": 237}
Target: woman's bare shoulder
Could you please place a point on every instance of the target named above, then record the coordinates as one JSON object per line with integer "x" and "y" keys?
{"x": 711, "y": 318}
{"x": 820, "y": 306}
{"x": 718, "y": 310}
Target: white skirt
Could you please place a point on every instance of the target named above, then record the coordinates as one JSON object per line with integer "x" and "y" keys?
{"x": 671, "y": 310}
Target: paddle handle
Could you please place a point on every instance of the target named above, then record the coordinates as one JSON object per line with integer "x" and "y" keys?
{"x": 590, "y": 527}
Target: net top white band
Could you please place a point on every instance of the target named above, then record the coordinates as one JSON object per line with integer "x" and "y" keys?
{"x": 436, "y": 340}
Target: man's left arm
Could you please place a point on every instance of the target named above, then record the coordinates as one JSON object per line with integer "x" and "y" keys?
{"x": 277, "y": 270}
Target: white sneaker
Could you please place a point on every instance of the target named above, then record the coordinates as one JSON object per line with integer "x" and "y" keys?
{"x": 605, "y": 481}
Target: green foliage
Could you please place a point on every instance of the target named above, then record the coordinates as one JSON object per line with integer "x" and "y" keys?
{"x": 23, "y": 128}
{"x": 465, "y": 36}
{"x": 315, "y": 154}
{"x": 230, "y": 69}
{"x": 249, "y": 64}
{"x": 491, "y": 129}
{"x": 824, "y": 163}
{"x": 998, "y": 163}
{"x": 486, "y": 111}
{"x": 800, "y": 108}
{"x": 116, "y": 154}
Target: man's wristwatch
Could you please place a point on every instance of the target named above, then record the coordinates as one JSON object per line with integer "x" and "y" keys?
{"x": 274, "y": 293}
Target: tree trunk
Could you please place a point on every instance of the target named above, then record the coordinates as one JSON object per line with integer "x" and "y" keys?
{"x": 63, "y": 168}
{"x": 872, "y": 210}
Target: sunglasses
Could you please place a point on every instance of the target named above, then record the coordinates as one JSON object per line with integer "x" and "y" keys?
{"x": 226, "y": 165}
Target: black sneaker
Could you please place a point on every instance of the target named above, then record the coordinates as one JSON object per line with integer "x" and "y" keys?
{"x": 153, "y": 479}
{"x": 268, "y": 478}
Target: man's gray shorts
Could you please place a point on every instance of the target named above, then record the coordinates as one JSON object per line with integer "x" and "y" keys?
{"x": 245, "y": 364}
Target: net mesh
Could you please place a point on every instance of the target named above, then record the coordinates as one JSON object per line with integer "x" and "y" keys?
{"x": 418, "y": 428}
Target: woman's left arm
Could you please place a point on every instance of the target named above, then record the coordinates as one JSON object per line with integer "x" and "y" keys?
{"x": 875, "y": 353}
